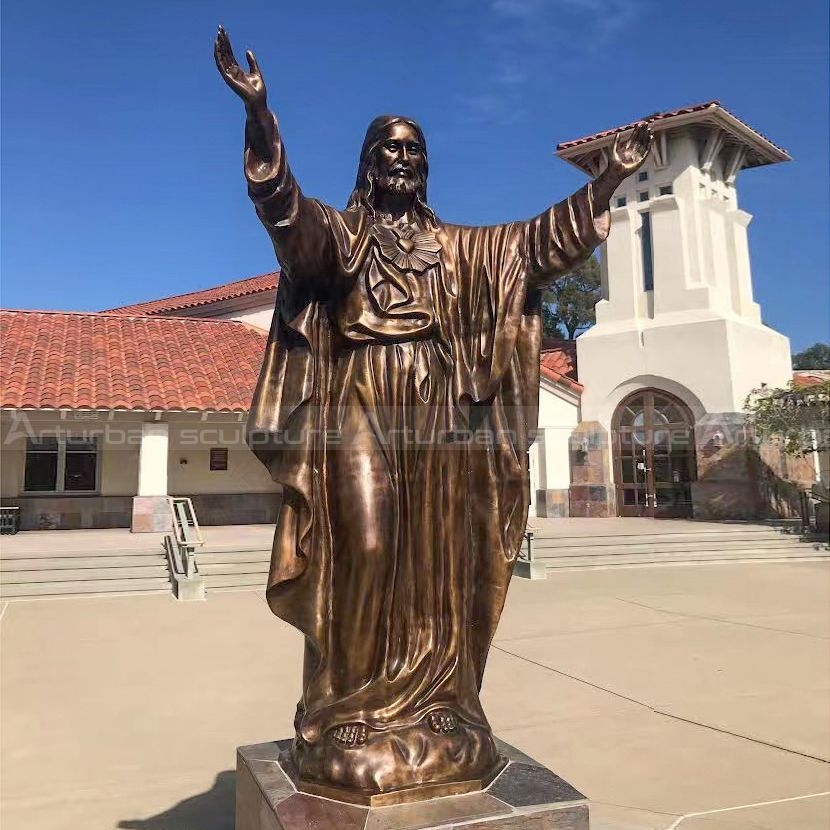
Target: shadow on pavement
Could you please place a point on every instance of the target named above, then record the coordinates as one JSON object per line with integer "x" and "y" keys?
{"x": 210, "y": 810}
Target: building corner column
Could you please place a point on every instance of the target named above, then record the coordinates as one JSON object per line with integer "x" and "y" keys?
{"x": 151, "y": 513}
{"x": 592, "y": 493}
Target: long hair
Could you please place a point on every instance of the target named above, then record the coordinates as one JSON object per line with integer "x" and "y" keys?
{"x": 363, "y": 194}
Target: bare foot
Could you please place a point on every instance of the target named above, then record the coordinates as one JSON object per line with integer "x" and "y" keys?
{"x": 442, "y": 721}
{"x": 350, "y": 734}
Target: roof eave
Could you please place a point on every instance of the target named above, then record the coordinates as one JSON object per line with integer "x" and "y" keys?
{"x": 759, "y": 144}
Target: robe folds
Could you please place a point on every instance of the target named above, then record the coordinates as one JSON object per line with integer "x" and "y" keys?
{"x": 396, "y": 406}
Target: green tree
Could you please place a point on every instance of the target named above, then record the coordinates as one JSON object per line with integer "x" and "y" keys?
{"x": 797, "y": 416}
{"x": 568, "y": 305}
{"x": 816, "y": 357}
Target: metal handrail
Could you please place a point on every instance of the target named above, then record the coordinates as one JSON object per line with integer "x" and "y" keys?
{"x": 526, "y": 551}
{"x": 188, "y": 535}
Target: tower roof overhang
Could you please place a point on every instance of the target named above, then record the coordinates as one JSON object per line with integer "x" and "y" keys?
{"x": 751, "y": 147}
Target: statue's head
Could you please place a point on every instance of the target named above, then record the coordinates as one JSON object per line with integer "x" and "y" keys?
{"x": 393, "y": 159}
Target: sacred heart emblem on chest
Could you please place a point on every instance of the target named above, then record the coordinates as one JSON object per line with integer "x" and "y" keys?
{"x": 409, "y": 248}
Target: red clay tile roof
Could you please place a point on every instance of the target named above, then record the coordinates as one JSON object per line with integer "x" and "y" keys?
{"x": 558, "y": 364}
{"x": 661, "y": 116}
{"x": 87, "y": 360}
{"x": 810, "y": 377}
{"x": 228, "y": 291}
{"x": 76, "y": 360}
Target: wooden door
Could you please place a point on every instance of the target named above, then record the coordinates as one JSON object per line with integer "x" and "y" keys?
{"x": 654, "y": 456}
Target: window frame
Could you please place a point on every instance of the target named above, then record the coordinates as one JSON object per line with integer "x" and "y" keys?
{"x": 647, "y": 250}
{"x": 60, "y": 472}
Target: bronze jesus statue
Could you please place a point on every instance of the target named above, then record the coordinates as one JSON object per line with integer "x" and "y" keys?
{"x": 396, "y": 404}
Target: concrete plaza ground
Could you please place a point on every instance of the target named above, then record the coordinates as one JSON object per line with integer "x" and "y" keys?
{"x": 674, "y": 697}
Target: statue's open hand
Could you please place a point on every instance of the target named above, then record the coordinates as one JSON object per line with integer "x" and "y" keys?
{"x": 249, "y": 86}
{"x": 628, "y": 154}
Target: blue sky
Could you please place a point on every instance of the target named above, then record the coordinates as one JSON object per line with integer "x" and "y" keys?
{"x": 121, "y": 146}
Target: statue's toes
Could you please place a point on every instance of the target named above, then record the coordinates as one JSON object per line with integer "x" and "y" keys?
{"x": 442, "y": 722}
{"x": 350, "y": 734}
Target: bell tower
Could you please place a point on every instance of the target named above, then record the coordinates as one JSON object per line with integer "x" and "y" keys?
{"x": 677, "y": 319}
{"x": 677, "y": 285}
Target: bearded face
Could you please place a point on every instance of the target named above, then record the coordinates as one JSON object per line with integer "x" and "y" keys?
{"x": 399, "y": 162}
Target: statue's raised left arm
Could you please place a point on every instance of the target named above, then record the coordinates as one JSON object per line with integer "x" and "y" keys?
{"x": 560, "y": 238}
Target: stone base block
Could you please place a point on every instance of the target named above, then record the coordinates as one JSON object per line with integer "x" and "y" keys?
{"x": 533, "y": 569}
{"x": 594, "y": 501}
{"x": 187, "y": 588}
{"x": 525, "y": 796}
{"x": 151, "y": 514}
{"x": 552, "y": 504}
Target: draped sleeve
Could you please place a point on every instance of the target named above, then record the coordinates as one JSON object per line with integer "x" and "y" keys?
{"x": 299, "y": 227}
{"x": 560, "y": 238}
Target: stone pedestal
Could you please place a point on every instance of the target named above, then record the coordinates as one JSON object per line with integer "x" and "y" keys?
{"x": 525, "y": 796}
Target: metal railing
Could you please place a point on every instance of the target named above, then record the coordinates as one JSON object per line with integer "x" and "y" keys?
{"x": 181, "y": 547}
{"x": 526, "y": 550}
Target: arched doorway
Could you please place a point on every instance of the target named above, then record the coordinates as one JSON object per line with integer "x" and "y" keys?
{"x": 654, "y": 455}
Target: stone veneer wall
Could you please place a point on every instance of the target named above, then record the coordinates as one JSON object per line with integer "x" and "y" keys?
{"x": 553, "y": 504}
{"x": 237, "y": 508}
{"x": 151, "y": 514}
{"x": 739, "y": 479}
{"x": 140, "y": 513}
{"x": 72, "y": 512}
{"x": 592, "y": 492}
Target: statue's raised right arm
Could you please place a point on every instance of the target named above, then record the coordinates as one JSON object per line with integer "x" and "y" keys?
{"x": 561, "y": 237}
{"x": 297, "y": 225}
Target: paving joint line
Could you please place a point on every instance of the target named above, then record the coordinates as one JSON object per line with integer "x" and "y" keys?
{"x": 719, "y": 619}
{"x": 682, "y": 818}
{"x": 661, "y": 712}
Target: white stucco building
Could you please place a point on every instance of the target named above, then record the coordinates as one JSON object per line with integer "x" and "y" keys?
{"x": 641, "y": 415}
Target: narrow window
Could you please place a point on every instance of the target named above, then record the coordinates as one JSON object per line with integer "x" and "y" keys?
{"x": 41, "y": 465}
{"x": 80, "y": 464}
{"x": 219, "y": 458}
{"x": 642, "y": 196}
{"x": 666, "y": 190}
{"x": 645, "y": 247}
{"x": 642, "y": 176}
{"x": 621, "y": 201}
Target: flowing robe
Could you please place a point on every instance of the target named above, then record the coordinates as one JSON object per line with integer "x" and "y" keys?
{"x": 393, "y": 554}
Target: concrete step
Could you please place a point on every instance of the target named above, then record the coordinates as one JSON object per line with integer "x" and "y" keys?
{"x": 544, "y": 541}
{"x": 69, "y": 562}
{"x": 230, "y": 549}
{"x": 86, "y": 587}
{"x": 715, "y": 545}
{"x": 9, "y": 554}
{"x": 236, "y": 580}
{"x": 217, "y": 558}
{"x": 229, "y": 567}
{"x": 46, "y": 571}
{"x": 650, "y": 527}
{"x": 231, "y": 570}
{"x": 84, "y": 574}
{"x": 623, "y": 560}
